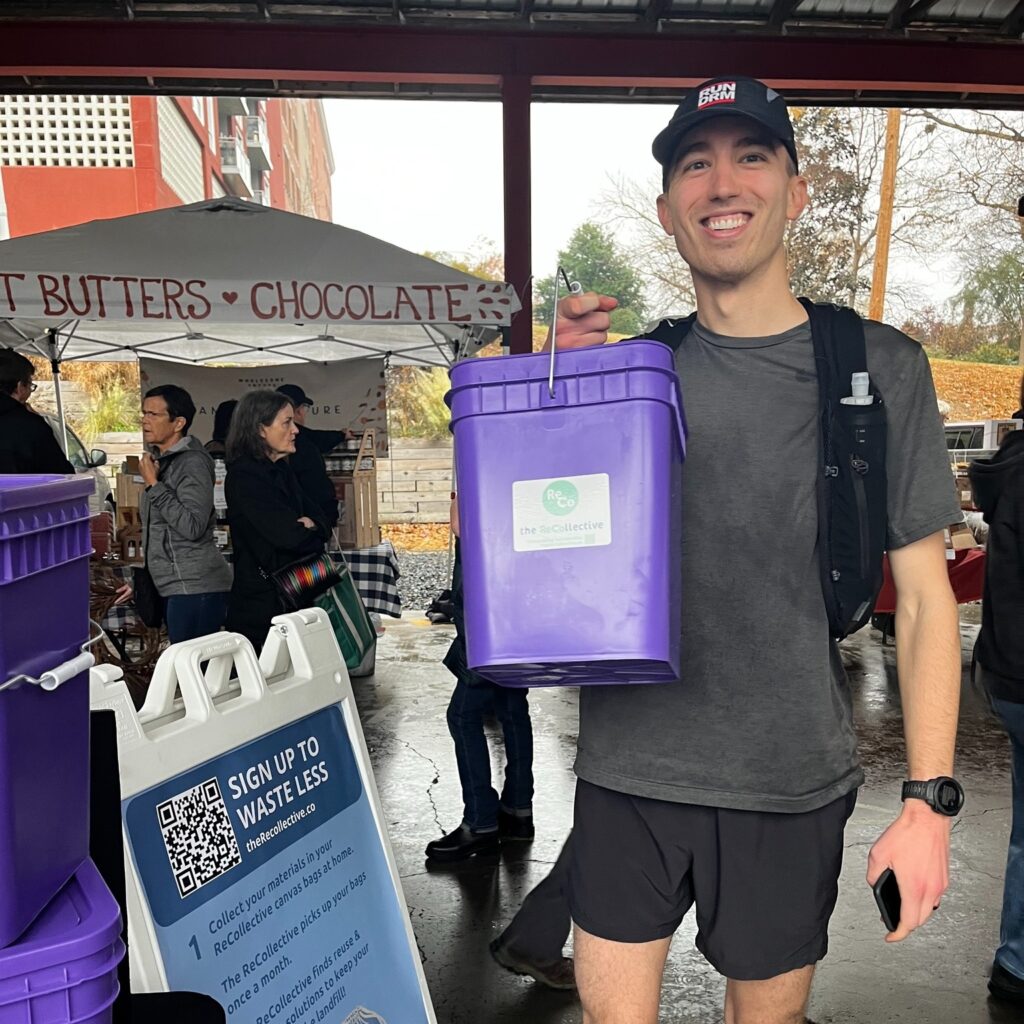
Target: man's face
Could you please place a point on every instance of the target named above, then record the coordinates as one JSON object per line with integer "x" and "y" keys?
{"x": 23, "y": 391}
{"x": 729, "y": 198}
{"x": 157, "y": 426}
{"x": 300, "y": 415}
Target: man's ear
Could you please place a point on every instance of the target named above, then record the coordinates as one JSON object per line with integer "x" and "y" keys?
{"x": 665, "y": 215}
{"x": 798, "y": 197}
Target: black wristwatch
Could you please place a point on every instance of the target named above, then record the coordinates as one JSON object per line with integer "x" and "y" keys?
{"x": 943, "y": 795}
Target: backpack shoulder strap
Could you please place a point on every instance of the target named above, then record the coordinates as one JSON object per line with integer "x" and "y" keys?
{"x": 671, "y": 332}
{"x": 837, "y": 334}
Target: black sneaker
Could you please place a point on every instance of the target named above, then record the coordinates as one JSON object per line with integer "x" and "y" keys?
{"x": 1006, "y": 986}
{"x": 560, "y": 975}
{"x": 514, "y": 828}
{"x": 463, "y": 843}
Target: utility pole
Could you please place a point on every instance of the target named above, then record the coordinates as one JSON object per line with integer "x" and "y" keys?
{"x": 1020, "y": 220}
{"x": 883, "y": 227}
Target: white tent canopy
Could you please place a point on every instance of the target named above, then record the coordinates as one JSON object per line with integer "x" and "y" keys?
{"x": 230, "y": 281}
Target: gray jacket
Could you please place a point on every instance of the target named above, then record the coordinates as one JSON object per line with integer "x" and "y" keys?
{"x": 177, "y": 524}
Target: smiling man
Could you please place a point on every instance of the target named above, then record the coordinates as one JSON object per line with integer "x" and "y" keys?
{"x": 731, "y": 789}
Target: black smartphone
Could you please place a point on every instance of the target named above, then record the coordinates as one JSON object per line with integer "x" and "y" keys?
{"x": 887, "y": 896}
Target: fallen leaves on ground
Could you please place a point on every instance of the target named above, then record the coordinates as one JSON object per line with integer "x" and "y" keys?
{"x": 416, "y": 536}
{"x": 977, "y": 391}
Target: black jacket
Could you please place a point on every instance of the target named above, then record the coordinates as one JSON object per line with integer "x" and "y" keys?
{"x": 998, "y": 486}
{"x": 308, "y": 464}
{"x": 264, "y": 503}
{"x": 27, "y": 444}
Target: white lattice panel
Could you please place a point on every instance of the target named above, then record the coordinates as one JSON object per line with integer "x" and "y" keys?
{"x": 181, "y": 153}
{"x": 66, "y": 131}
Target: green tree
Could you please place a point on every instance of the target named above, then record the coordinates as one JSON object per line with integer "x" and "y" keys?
{"x": 993, "y": 298}
{"x": 592, "y": 258}
{"x": 824, "y": 245}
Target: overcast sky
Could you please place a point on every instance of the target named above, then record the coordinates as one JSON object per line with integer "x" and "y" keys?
{"x": 427, "y": 174}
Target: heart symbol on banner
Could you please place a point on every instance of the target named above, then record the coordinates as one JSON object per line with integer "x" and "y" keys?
{"x": 229, "y": 297}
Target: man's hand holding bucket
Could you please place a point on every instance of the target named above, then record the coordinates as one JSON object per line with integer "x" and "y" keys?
{"x": 583, "y": 320}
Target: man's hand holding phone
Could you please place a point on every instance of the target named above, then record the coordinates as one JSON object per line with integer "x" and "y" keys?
{"x": 916, "y": 847}
{"x": 583, "y": 320}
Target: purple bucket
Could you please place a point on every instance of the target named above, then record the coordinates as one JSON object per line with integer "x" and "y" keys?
{"x": 44, "y": 736}
{"x": 570, "y": 514}
{"x": 63, "y": 970}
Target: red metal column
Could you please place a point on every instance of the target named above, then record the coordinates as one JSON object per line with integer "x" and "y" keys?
{"x": 515, "y": 107}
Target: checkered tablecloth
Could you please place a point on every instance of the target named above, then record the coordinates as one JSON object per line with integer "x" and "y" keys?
{"x": 374, "y": 570}
{"x": 120, "y": 616}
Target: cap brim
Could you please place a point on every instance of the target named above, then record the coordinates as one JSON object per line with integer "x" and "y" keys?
{"x": 666, "y": 142}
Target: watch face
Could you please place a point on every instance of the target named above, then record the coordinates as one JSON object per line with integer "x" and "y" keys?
{"x": 949, "y": 796}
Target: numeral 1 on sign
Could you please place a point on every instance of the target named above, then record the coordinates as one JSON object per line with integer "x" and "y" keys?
{"x": 194, "y": 943}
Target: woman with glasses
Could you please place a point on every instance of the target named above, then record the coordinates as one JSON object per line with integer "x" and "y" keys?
{"x": 188, "y": 570}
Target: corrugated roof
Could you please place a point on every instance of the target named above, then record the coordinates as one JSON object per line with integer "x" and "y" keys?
{"x": 973, "y": 45}
{"x": 981, "y": 19}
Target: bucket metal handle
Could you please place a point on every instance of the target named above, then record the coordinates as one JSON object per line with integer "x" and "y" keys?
{"x": 574, "y": 288}
{"x": 54, "y": 677}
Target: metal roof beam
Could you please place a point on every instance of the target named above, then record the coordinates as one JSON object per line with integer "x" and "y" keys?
{"x": 907, "y": 11}
{"x": 1013, "y": 25}
{"x": 252, "y": 53}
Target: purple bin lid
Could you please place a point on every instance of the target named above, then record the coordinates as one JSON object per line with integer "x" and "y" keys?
{"x": 30, "y": 491}
{"x": 82, "y": 919}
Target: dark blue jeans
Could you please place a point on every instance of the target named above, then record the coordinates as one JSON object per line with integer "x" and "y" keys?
{"x": 466, "y": 724}
{"x": 1010, "y": 954}
{"x": 193, "y": 615}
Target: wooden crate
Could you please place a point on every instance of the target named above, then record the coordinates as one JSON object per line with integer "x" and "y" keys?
{"x": 358, "y": 490}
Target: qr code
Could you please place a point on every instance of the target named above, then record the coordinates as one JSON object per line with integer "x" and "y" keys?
{"x": 198, "y": 835}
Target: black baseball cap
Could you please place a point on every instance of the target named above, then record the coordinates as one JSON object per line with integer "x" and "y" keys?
{"x": 295, "y": 394}
{"x": 733, "y": 95}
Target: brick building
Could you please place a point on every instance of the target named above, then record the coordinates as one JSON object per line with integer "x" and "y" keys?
{"x": 67, "y": 159}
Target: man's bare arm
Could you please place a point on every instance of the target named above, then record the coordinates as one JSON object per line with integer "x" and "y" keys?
{"x": 916, "y": 845}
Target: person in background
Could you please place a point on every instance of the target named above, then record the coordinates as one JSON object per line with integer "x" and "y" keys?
{"x": 178, "y": 517}
{"x": 487, "y": 819}
{"x": 308, "y": 460}
{"x": 27, "y": 444}
{"x": 533, "y": 941}
{"x": 217, "y": 445}
{"x": 273, "y": 520}
{"x": 998, "y": 486}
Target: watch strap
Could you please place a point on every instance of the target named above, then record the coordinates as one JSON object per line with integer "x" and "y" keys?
{"x": 917, "y": 790}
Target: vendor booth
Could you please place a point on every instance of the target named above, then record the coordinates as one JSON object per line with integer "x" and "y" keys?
{"x": 245, "y": 782}
{"x": 227, "y": 287}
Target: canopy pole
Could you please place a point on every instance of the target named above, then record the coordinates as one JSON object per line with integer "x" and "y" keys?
{"x": 53, "y": 350}
{"x": 516, "y": 93}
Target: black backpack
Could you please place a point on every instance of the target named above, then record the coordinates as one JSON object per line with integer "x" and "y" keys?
{"x": 852, "y": 518}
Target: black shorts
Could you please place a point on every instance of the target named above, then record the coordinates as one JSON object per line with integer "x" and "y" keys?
{"x": 765, "y": 884}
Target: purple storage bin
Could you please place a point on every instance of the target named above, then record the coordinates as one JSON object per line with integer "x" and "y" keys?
{"x": 63, "y": 970}
{"x": 44, "y": 736}
{"x": 570, "y": 513}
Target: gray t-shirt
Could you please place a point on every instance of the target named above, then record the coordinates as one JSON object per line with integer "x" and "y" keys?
{"x": 761, "y": 718}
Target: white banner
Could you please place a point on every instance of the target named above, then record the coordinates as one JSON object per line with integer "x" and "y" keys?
{"x": 348, "y": 395}
{"x": 151, "y": 299}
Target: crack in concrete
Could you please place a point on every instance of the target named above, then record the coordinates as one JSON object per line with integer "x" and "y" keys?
{"x": 430, "y": 788}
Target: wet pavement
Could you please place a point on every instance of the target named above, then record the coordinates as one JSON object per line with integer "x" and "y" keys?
{"x": 937, "y": 977}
